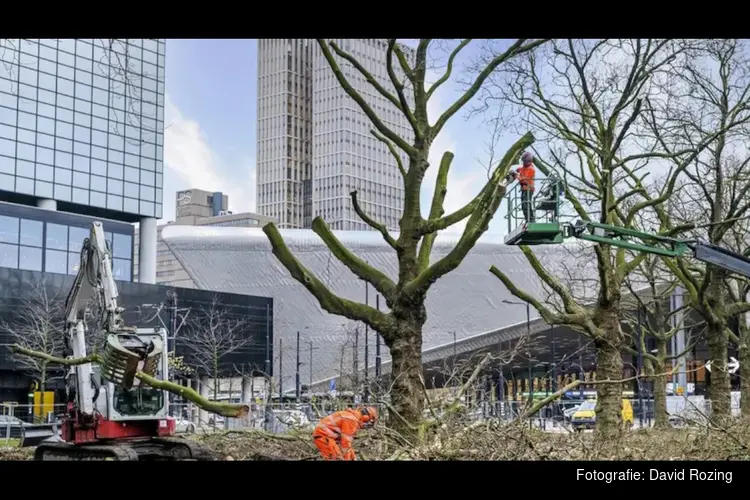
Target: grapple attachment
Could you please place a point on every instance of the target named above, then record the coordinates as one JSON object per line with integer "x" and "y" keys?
{"x": 126, "y": 354}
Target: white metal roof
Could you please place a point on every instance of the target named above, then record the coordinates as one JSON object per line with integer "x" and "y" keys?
{"x": 468, "y": 300}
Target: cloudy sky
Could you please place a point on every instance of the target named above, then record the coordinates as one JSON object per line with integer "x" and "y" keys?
{"x": 210, "y": 130}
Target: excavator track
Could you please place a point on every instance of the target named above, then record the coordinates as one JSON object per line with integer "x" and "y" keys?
{"x": 163, "y": 449}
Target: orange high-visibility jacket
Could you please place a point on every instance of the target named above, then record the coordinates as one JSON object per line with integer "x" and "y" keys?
{"x": 342, "y": 426}
{"x": 526, "y": 177}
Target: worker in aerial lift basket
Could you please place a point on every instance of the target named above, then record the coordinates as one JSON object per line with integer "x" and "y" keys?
{"x": 334, "y": 434}
{"x": 525, "y": 175}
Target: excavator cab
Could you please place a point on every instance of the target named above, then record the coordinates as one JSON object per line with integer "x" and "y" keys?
{"x": 544, "y": 226}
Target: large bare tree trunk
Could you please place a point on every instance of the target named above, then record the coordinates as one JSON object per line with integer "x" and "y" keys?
{"x": 719, "y": 391}
{"x": 744, "y": 359}
{"x": 407, "y": 396}
{"x": 609, "y": 396}
{"x": 661, "y": 418}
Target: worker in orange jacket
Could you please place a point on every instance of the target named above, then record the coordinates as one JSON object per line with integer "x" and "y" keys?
{"x": 334, "y": 434}
{"x": 525, "y": 175}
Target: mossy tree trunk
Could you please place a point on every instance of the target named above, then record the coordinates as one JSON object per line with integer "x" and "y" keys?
{"x": 401, "y": 327}
{"x": 717, "y": 333}
{"x": 658, "y": 374}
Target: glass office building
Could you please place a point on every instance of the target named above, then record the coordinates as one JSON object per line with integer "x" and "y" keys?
{"x": 81, "y": 130}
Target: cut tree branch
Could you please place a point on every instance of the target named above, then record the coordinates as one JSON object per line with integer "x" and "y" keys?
{"x": 223, "y": 409}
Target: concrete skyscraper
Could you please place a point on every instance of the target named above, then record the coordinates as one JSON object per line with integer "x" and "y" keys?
{"x": 314, "y": 142}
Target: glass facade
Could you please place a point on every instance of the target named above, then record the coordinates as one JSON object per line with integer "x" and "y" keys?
{"x": 82, "y": 121}
{"x": 40, "y": 240}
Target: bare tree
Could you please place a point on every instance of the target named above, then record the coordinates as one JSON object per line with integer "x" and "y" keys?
{"x": 212, "y": 333}
{"x": 401, "y": 327}
{"x": 649, "y": 313}
{"x": 738, "y": 289}
{"x": 586, "y": 100}
{"x": 38, "y": 323}
{"x": 709, "y": 99}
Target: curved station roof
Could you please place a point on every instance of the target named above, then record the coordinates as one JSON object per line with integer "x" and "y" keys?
{"x": 467, "y": 301}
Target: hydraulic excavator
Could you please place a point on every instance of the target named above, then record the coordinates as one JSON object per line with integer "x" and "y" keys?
{"x": 111, "y": 415}
{"x": 546, "y": 228}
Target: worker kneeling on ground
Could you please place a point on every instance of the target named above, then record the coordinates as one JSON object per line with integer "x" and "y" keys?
{"x": 334, "y": 434}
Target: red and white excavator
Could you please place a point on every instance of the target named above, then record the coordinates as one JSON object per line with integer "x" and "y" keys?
{"x": 110, "y": 414}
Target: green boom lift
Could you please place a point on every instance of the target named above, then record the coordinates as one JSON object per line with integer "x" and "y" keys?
{"x": 546, "y": 228}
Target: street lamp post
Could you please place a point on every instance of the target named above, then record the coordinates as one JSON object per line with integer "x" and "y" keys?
{"x": 297, "y": 385}
{"x": 640, "y": 364}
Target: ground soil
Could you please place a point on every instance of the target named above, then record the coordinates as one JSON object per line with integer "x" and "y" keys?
{"x": 486, "y": 442}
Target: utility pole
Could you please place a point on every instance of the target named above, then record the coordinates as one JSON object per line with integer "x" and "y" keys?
{"x": 268, "y": 342}
{"x": 281, "y": 370}
{"x": 640, "y": 365}
{"x": 310, "y": 346}
{"x": 367, "y": 347}
{"x": 296, "y": 375}
{"x": 377, "y": 344}
{"x": 355, "y": 357}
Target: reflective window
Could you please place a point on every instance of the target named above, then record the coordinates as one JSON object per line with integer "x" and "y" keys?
{"x": 55, "y": 261}
{"x": 99, "y": 183}
{"x": 77, "y": 235}
{"x": 123, "y": 246}
{"x": 31, "y": 232}
{"x": 57, "y": 237}
{"x": 63, "y": 176}
{"x": 30, "y": 258}
{"x": 8, "y": 229}
{"x": 121, "y": 269}
{"x": 8, "y": 255}
{"x": 98, "y": 199}
{"x": 62, "y": 192}
{"x": 44, "y": 189}
{"x": 74, "y": 262}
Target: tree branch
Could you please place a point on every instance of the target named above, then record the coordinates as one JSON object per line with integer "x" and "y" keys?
{"x": 357, "y": 97}
{"x": 449, "y": 69}
{"x": 359, "y": 267}
{"x": 223, "y": 409}
{"x": 328, "y": 300}
{"x": 371, "y": 222}
{"x": 477, "y": 224}
{"x": 436, "y": 210}
{"x": 514, "y": 50}
{"x": 393, "y": 151}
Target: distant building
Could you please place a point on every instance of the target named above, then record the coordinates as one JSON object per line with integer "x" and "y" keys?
{"x": 314, "y": 142}
{"x": 195, "y": 207}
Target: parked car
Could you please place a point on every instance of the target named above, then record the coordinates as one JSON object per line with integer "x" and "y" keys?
{"x": 183, "y": 426}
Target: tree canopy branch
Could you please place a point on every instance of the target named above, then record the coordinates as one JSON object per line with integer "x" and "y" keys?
{"x": 478, "y": 222}
{"x": 359, "y": 267}
{"x": 328, "y": 300}
{"x": 372, "y": 223}
{"x": 357, "y": 97}
{"x": 514, "y": 50}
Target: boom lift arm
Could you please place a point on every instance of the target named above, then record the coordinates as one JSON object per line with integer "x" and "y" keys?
{"x": 659, "y": 245}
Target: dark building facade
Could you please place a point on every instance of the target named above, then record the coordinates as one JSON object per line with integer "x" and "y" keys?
{"x": 244, "y": 322}
{"x": 50, "y": 241}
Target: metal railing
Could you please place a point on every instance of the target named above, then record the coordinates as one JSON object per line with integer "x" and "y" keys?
{"x": 15, "y": 417}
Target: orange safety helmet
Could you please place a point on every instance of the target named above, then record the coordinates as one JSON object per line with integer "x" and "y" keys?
{"x": 369, "y": 415}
